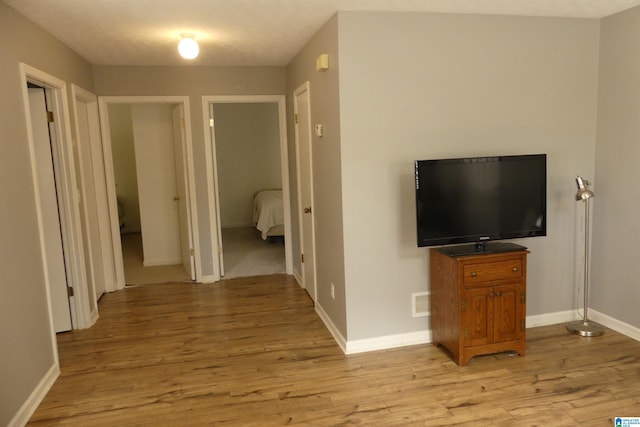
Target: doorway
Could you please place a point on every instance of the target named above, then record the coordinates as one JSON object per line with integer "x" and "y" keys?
{"x": 89, "y": 164}
{"x": 49, "y": 204}
{"x": 149, "y": 147}
{"x": 70, "y": 295}
{"x": 247, "y": 163}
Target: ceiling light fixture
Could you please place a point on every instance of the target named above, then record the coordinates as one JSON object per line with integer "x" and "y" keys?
{"x": 188, "y": 47}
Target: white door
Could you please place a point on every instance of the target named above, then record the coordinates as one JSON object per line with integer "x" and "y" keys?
{"x": 86, "y": 203}
{"x": 90, "y": 143}
{"x": 302, "y": 112}
{"x": 186, "y": 239}
{"x": 54, "y": 259}
{"x": 216, "y": 190}
{"x": 155, "y": 173}
{"x": 93, "y": 190}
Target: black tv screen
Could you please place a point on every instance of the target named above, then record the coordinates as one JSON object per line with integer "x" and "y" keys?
{"x": 480, "y": 199}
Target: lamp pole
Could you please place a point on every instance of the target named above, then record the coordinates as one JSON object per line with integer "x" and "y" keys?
{"x": 585, "y": 327}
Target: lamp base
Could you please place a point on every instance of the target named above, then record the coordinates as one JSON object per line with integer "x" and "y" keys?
{"x": 585, "y": 328}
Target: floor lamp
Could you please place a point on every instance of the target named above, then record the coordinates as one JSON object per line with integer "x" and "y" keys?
{"x": 585, "y": 327}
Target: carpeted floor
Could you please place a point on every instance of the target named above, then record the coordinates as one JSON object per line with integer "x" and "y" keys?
{"x": 246, "y": 254}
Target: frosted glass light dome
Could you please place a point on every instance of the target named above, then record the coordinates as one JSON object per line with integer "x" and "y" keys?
{"x": 188, "y": 47}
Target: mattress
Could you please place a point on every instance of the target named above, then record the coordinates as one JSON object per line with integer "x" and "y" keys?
{"x": 268, "y": 213}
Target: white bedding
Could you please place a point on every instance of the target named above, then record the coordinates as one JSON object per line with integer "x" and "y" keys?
{"x": 268, "y": 211}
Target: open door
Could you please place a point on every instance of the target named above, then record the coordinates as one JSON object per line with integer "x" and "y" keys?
{"x": 305, "y": 188}
{"x": 48, "y": 197}
{"x": 182, "y": 197}
{"x": 216, "y": 191}
{"x": 91, "y": 167}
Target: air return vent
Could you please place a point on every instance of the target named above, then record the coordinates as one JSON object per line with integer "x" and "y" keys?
{"x": 420, "y": 304}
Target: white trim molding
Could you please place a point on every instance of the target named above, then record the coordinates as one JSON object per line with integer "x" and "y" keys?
{"x": 551, "y": 318}
{"x": 36, "y": 397}
{"x": 424, "y": 337}
{"x": 211, "y": 171}
{"x": 70, "y": 218}
{"x": 388, "y": 341}
{"x": 333, "y": 330}
{"x": 615, "y": 324}
{"x": 103, "y": 103}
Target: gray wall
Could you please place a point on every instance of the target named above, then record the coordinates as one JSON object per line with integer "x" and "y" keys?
{"x": 615, "y": 289}
{"x": 327, "y": 168}
{"x": 417, "y": 86}
{"x": 420, "y": 86}
{"x": 194, "y": 82}
{"x": 25, "y": 335}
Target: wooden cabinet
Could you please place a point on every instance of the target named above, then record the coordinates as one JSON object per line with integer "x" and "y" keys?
{"x": 478, "y": 302}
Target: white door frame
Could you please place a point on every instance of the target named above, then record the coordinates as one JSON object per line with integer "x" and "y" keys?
{"x": 70, "y": 222}
{"x": 305, "y": 87}
{"x": 212, "y": 188}
{"x": 103, "y": 103}
{"x": 101, "y": 235}
{"x": 184, "y": 220}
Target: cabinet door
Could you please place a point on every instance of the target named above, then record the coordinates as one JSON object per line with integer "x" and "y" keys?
{"x": 507, "y": 312}
{"x": 477, "y": 317}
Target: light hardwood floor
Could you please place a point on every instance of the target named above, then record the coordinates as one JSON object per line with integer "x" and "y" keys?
{"x": 253, "y": 351}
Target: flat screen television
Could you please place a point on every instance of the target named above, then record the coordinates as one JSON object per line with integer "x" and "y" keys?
{"x": 480, "y": 199}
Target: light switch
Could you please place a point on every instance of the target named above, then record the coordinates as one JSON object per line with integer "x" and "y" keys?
{"x": 319, "y": 130}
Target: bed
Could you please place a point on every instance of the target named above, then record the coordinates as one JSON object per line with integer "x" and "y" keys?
{"x": 268, "y": 213}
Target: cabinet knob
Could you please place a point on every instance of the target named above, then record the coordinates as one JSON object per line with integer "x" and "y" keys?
{"x": 474, "y": 274}
{"x": 498, "y": 294}
{"x": 515, "y": 269}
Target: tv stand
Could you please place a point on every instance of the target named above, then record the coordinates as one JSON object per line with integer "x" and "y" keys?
{"x": 478, "y": 301}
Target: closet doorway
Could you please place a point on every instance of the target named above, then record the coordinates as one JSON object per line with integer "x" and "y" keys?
{"x": 149, "y": 147}
{"x": 249, "y": 177}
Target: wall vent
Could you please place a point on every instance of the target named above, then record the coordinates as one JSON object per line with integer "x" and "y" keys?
{"x": 420, "y": 304}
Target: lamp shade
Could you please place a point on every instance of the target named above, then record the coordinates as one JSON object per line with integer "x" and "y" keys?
{"x": 188, "y": 47}
{"x": 583, "y": 191}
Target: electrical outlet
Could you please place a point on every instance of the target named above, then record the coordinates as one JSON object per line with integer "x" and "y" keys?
{"x": 333, "y": 291}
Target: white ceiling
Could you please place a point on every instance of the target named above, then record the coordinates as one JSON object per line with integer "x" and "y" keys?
{"x": 241, "y": 32}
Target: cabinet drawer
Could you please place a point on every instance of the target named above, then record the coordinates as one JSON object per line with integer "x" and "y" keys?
{"x": 486, "y": 272}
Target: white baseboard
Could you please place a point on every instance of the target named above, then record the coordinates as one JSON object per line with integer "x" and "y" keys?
{"x": 337, "y": 336}
{"x": 424, "y": 337}
{"x": 297, "y": 276}
{"x": 615, "y": 324}
{"x": 551, "y": 318}
{"x": 94, "y": 317}
{"x": 389, "y": 341}
{"x": 238, "y": 225}
{"x": 157, "y": 262}
{"x": 27, "y": 409}
{"x": 372, "y": 344}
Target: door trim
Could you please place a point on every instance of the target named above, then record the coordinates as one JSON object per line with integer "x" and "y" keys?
{"x": 305, "y": 87}
{"x": 103, "y": 104}
{"x": 94, "y": 145}
{"x": 210, "y": 151}
{"x": 73, "y": 250}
